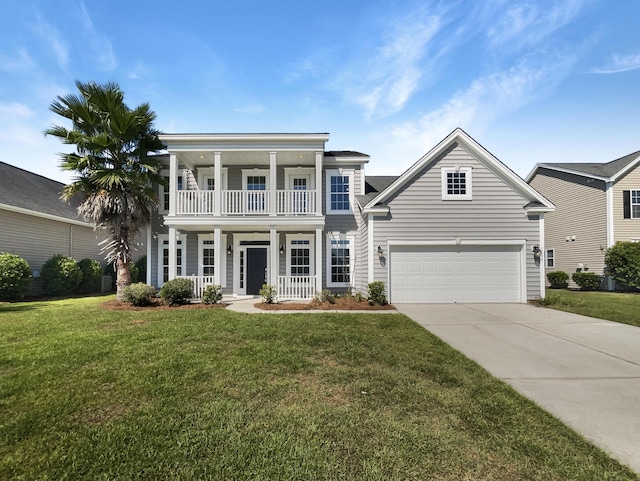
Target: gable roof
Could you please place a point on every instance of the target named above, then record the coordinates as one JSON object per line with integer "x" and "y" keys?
{"x": 536, "y": 201}
{"x": 26, "y": 192}
{"x": 608, "y": 172}
{"x": 373, "y": 185}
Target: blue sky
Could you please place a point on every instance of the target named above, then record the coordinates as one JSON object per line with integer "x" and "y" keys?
{"x": 532, "y": 81}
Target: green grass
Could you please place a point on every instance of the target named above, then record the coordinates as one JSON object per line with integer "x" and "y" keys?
{"x": 209, "y": 394}
{"x": 613, "y": 306}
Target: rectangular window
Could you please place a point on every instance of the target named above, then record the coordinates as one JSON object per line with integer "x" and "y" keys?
{"x": 339, "y": 191}
{"x": 300, "y": 257}
{"x": 165, "y": 193}
{"x": 456, "y": 183}
{"x": 550, "y": 258}
{"x": 340, "y": 261}
{"x": 207, "y": 258}
{"x": 635, "y": 204}
{"x": 256, "y": 182}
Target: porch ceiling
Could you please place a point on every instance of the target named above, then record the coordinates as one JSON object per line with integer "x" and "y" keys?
{"x": 229, "y": 229}
{"x": 251, "y": 158}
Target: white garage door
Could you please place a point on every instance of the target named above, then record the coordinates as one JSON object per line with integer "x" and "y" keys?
{"x": 455, "y": 274}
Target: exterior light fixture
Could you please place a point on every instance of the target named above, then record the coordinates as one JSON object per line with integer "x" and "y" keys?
{"x": 380, "y": 253}
{"x": 281, "y": 249}
{"x": 537, "y": 253}
{"x": 229, "y": 250}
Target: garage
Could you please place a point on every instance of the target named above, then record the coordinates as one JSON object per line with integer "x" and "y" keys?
{"x": 455, "y": 273}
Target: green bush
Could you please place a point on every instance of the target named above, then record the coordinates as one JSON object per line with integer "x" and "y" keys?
{"x": 269, "y": 293}
{"x": 177, "y": 291}
{"x": 377, "y": 297}
{"x": 111, "y": 270}
{"x": 212, "y": 294}
{"x": 139, "y": 294}
{"x": 91, "y": 276}
{"x": 587, "y": 281}
{"x": 558, "y": 279}
{"x": 623, "y": 265}
{"x": 15, "y": 276}
{"x": 61, "y": 276}
{"x": 141, "y": 266}
{"x": 325, "y": 296}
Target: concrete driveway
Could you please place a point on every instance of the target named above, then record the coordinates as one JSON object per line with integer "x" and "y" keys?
{"x": 584, "y": 371}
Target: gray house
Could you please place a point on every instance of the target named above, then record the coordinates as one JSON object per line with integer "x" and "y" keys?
{"x": 242, "y": 210}
{"x": 598, "y": 204}
{"x": 35, "y": 224}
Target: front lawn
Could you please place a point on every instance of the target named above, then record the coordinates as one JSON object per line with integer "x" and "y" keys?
{"x": 89, "y": 393}
{"x": 613, "y": 306}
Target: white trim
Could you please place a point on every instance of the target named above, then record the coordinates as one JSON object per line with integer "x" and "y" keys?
{"x": 480, "y": 153}
{"x": 543, "y": 264}
{"x": 182, "y": 245}
{"x": 370, "y": 244}
{"x": 222, "y": 269}
{"x": 237, "y": 238}
{"x": 533, "y": 173}
{"x": 350, "y": 173}
{"x": 238, "y": 138}
{"x": 291, "y": 173}
{"x": 630, "y": 166}
{"x": 312, "y": 251}
{"x": 610, "y": 222}
{"x": 468, "y": 182}
{"x": 205, "y": 173}
{"x": 205, "y": 221}
{"x": 42, "y": 215}
{"x": 256, "y": 172}
{"x": 351, "y": 239}
{"x": 548, "y": 258}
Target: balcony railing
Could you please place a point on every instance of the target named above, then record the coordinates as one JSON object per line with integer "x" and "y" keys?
{"x": 246, "y": 202}
{"x": 296, "y": 287}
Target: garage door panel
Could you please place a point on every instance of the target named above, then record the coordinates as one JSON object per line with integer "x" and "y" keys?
{"x": 430, "y": 274}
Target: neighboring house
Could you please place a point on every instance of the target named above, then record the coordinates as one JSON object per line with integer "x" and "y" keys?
{"x": 242, "y": 210}
{"x": 597, "y": 206}
{"x": 35, "y": 224}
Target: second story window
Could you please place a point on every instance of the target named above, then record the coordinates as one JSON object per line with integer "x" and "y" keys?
{"x": 165, "y": 192}
{"x": 456, "y": 183}
{"x": 256, "y": 182}
{"x": 339, "y": 191}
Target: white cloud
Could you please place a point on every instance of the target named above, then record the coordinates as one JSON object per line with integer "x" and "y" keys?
{"x": 620, "y": 63}
{"x": 15, "y": 111}
{"x": 139, "y": 71}
{"x": 22, "y": 61}
{"x": 251, "y": 109}
{"x": 527, "y": 24}
{"x": 99, "y": 43}
{"x": 53, "y": 40}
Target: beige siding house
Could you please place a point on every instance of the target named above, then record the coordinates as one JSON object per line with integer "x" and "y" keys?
{"x": 597, "y": 205}
{"x": 35, "y": 224}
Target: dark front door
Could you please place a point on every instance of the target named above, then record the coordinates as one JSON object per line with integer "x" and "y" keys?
{"x": 256, "y": 269}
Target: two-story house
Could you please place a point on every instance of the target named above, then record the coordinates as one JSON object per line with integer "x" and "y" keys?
{"x": 598, "y": 204}
{"x": 241, "y": 210}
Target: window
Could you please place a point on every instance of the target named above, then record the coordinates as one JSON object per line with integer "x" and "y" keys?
{"x": 339, "y": 191}
{"x": 635, "y": 204}
{"x": 206, "y": 256}
{"x": 164, "y": 192}
{"x": 300, "y": 255}
{"x": 550, "y": 258}
{"x": 456, "y": 183}
{"x": 340, "y": 265}
{"x": 163, "y": 257}
{"x": 208, "y": 261}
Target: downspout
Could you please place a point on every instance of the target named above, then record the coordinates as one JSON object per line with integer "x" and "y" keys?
{"x": 610, "y": 231}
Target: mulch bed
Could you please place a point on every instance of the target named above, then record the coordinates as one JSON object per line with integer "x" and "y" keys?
{"x": 341, "y": 304}
{"x": 157, "y": 305}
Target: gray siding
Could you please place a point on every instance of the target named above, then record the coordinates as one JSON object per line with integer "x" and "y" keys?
{"x": 625, "y": 229}
{"x": 496, "y": 212}
{"x": 581, "y": 211}
{"x": 37, "y": 239}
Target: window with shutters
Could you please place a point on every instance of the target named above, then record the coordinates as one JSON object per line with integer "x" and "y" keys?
{"x": 631, "y": 204}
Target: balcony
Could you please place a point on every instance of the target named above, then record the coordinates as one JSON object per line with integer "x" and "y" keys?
{"x": 246, "y": 202}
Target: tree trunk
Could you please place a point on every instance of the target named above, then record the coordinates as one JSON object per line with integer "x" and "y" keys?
{"x": 123, "y": 278}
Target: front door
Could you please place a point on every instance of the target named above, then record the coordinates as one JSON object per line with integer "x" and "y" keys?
{"x": 256, "y": 269}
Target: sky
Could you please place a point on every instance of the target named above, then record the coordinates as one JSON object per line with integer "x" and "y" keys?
{"x": 531, "y": 81}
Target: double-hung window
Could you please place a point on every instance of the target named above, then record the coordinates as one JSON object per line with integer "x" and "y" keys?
{"x": 340, "y": 191}
{"x": 300, "y": 255}
{"x": 340, "y": 255}
{"x": 550, "y": 258}
{"x": 456, "y": 183}
{"x": 164, "y": 192}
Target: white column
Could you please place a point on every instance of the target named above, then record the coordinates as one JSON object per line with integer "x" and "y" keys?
{"x": 172, "y": 253}
{"x": 173, "y": 182}
{"x": 370, "y": 249}
{"x": 318, "y": 258}
{"x": 219, "y": 250}
{"x": 273, "y": 176}
{"x": 319, "y": 199}
{"x": 149, "y": 240}
{"x": 274, "y": 252}
{"x": 543, "y": 258}
{"x": 217, "y": 188}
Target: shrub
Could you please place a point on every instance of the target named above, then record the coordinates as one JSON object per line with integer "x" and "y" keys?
{"x": 177, "y": 291}
{"x": 212, "y": 294}
{"x": 111, "y": 270}
{"x": 141, "y": 266}
{"x": 325, "y": 296}
{"x": 555, "y": 299}
{"x": 15, "y": 276}
{"x": 377, "y": 297}
{"x": 269, "y": 293}
{"x": 623, "y": 265}
{"x": 587, "y": 281}
{"x": 61, "y": 276}
{"x": 558, "y": 279}
{"x": 139, "y": 294}
{"x": 91, "y": 276}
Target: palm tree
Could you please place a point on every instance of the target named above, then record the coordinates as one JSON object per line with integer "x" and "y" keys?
{"x": 114, "y": 166}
